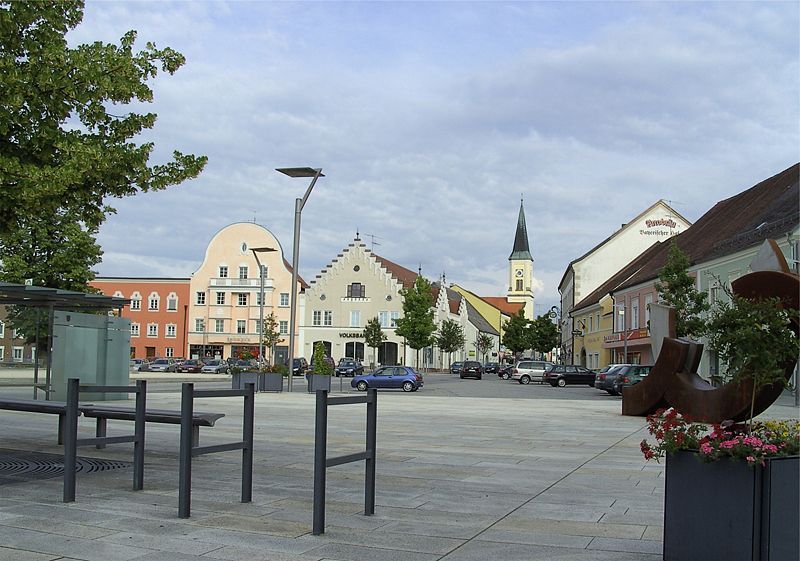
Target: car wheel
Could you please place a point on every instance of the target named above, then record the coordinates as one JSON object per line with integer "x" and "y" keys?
{"x": 408, "y": 387}
{"x": 561, "y": 382}
{"x": 613, "y": 392}
{"x": 506, "y": 376}
{"x": 361, "y": 386}
{"x": 480, "y": 377}
{"x": 461, "y": 377}
{"x": 525, "y": 380}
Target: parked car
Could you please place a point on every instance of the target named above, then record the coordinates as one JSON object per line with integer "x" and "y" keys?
{"x": 245, "y": 365}
{"x": 491, "y": 367}
{"x": 471, "y": 369}
{"x": 299, "y": 366}
{"x": 403, "y": 377}
{"x": 215, "y": 366}
{"x": 329, "y": 360}
{"x": 604, "y": 380}
{"x": 630, "y": 376}
{"x": 504, "y": 372}
{"x": 178, "y": 360}
{"x": 349, "y": 367}
{"x": 140, "y": 364}
{"x": 563, "y": 374}
{"x": 163, "y": 365}
{"x": 527, "y": 371}
{"x": 455, "y": 368}
{"x": 191, "y": 365}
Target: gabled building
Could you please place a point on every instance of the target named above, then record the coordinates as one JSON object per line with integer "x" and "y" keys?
{"x": 585, "y": 274}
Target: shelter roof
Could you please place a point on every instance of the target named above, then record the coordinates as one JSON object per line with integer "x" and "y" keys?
{"x": 41, "y": 296}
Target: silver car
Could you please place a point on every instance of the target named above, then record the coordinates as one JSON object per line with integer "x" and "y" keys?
{"x": 215, "y": 366}
{"x": 163, "y": 365}
{"x": 526, "y": 371}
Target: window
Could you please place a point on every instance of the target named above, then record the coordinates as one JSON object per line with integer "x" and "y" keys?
{"x": 220, "y": 298}
{"x": 283, "y": 327}
{"x": 284, "y": 301}
{"x": 172, "y": 302}
{"x": 713, "y": 294}
{"x": 634, "y": 313}
{"x": 394, "y": 316}
{"x": 356, "y": 290}
{"x": 134, "y": 330}
{"x": 172, "y": 330}
{"x": 264, "y": 271}
{"x": 2, "y": 329}
{"x": 2, "y": 354}
{"x": 152, "y": 330}
{"x": 219, "y": 326}
{"x": 136, "y": 301}
{"x": 199, "y": 324}
{"x": 241, "y": 326}
{"x": 591, "y": 324}
{"x": 620, "y": 316}
{"x": 648, "y": 301}
{"x": 328, "y": 318}
{"x": 355, "y": 318}
{"x": 152, "y": 302}
{"x": 242, "y": 271}
{"x": 316, "y": 318}
{"x": 201, "y": 299}
{"x": 519, "y": 285}
{"x": 169, "y": 352}
{"x": 223, "y": 271}
{"x": 16, "y": 354}
{"x": 15, "y": 334}
{"x": 383, "y": 317}
{"x": 241, "y": 299}
{"x": 258, "y": 298}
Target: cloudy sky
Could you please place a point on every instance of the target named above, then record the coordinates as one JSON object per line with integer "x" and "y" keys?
{"x": 430, "y": 120}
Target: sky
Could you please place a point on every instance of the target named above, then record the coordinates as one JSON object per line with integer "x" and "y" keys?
{"x": 431, "y": 120}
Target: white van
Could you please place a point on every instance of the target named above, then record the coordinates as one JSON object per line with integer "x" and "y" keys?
{"x": 526, "y": 371}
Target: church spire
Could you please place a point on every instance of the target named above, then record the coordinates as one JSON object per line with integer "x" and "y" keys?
{"x": 521, "y": 249}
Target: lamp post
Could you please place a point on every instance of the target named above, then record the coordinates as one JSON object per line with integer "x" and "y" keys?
{"x": 621, "y": 308}
{"x": 256, "y": 251}
{"x": 555, "y": 312}
{"x": 299, "y": 203}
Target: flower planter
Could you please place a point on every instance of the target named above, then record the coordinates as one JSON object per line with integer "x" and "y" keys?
{"x": 727, "y": 509}
{"x": 239, "y": 379}
{"x": 270, "y": 382}
{"x": 318, "y": 382}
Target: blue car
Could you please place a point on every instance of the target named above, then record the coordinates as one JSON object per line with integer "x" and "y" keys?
{"x": 401, "y": 377}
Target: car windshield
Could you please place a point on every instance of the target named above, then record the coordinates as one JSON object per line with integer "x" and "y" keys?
{"x": 161, "y": 361}
{"x": 347, "y": 363}
{"x": 190, "y": 362}
{"x": 212, "y": 363}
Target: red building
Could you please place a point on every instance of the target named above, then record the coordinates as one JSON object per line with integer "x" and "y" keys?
{"x": 158, "y": 313}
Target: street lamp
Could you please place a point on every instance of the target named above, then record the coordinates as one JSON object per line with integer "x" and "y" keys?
{"x": 299, "y": 203}
{"x": 256, "y": 251}
{"x": 555, "y": 313}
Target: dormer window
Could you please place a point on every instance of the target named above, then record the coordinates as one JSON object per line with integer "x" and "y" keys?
{"x": 356, "y": 290}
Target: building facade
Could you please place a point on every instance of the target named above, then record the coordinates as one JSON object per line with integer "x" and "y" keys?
{"x": 225, "y": 295}
{"x": 13, "y": 349}
{"x": 158, "y": 313}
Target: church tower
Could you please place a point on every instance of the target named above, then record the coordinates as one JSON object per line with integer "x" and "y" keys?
{"x": 520, "y": 268}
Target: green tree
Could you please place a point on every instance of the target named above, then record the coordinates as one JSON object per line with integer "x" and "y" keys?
{"x": 416, "y": 325}
{"x": 544, "y": 335}
{"x": 516, "y": 334}
{"x": 66, "y": 144}
{"x": 450, "y": 337}
{"x": 482, "y": 344}
{"x": 677, "y": 289}
{"x": 374, "y": 336}
{"x": 271, "y": 335}
{"x": 319, "y": 364}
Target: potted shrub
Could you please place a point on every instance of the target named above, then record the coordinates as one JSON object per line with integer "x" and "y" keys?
{"x": 241, "y": 375}
{"x": 320, "y": 376}
{"x": 731, "y": 490}
{"x": 270, "y": 379}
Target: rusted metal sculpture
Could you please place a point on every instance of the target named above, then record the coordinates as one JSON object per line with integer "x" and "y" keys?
{"x": 674, "y": 382}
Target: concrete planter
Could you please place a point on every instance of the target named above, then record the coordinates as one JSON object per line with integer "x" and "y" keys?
{"x": 728, "y": 509}
{"x": 318, "y": 382}
{"x": 270, "y": 382}
{"x": 239, "y": 379}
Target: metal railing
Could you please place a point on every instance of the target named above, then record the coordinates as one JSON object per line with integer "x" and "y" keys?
{"x": 71, "y": 440}
{"x": 322, "y": 462}
{"x": 189, "y": 451}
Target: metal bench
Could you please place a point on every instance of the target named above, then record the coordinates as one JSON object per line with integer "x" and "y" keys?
{"x": 104, "y": 412}
{"x": 39, "y": 406}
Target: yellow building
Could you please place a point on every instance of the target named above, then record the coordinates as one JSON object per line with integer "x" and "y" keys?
{"x": 593, "y": 323}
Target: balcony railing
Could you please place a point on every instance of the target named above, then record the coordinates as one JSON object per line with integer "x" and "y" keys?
{"x": 239, "y": 283}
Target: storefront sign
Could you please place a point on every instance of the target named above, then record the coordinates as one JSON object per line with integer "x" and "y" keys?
{"x": 655, "y": 227}
{"x": 357, "y": 335}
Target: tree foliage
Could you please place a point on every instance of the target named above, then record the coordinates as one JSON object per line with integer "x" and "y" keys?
{"x": 318, "y": 364}
{"x": 270, "y": 334}
{"x": 66, "y": 142}
{"x": 373, "y": 334}
{"x": 416, "y": 325}
{"x": 516, "y": 336}
{"x": 483, "y": 343}
{"x": 450, "y": 336}
{"x": 677, "y": 289}
{"x": 543, "y": 334}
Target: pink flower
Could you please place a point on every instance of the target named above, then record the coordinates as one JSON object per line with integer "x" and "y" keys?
{"x": 706, "y": 448}
{"x": 728, "y": 444}
{"x": 771, "y": 448}
{"x": 751, "y": 459}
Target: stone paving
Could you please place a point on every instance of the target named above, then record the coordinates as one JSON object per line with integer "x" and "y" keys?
{"x": 458, "y": 479}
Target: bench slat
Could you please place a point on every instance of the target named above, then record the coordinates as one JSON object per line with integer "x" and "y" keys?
{"x": 151, "y": 415}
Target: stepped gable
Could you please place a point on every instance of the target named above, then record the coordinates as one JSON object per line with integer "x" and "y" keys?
{"x": 405, "y": 277}
{"x": 769, "y": 209}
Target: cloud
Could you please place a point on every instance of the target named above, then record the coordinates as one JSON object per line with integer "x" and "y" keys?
{"x": 429, "y": 134}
